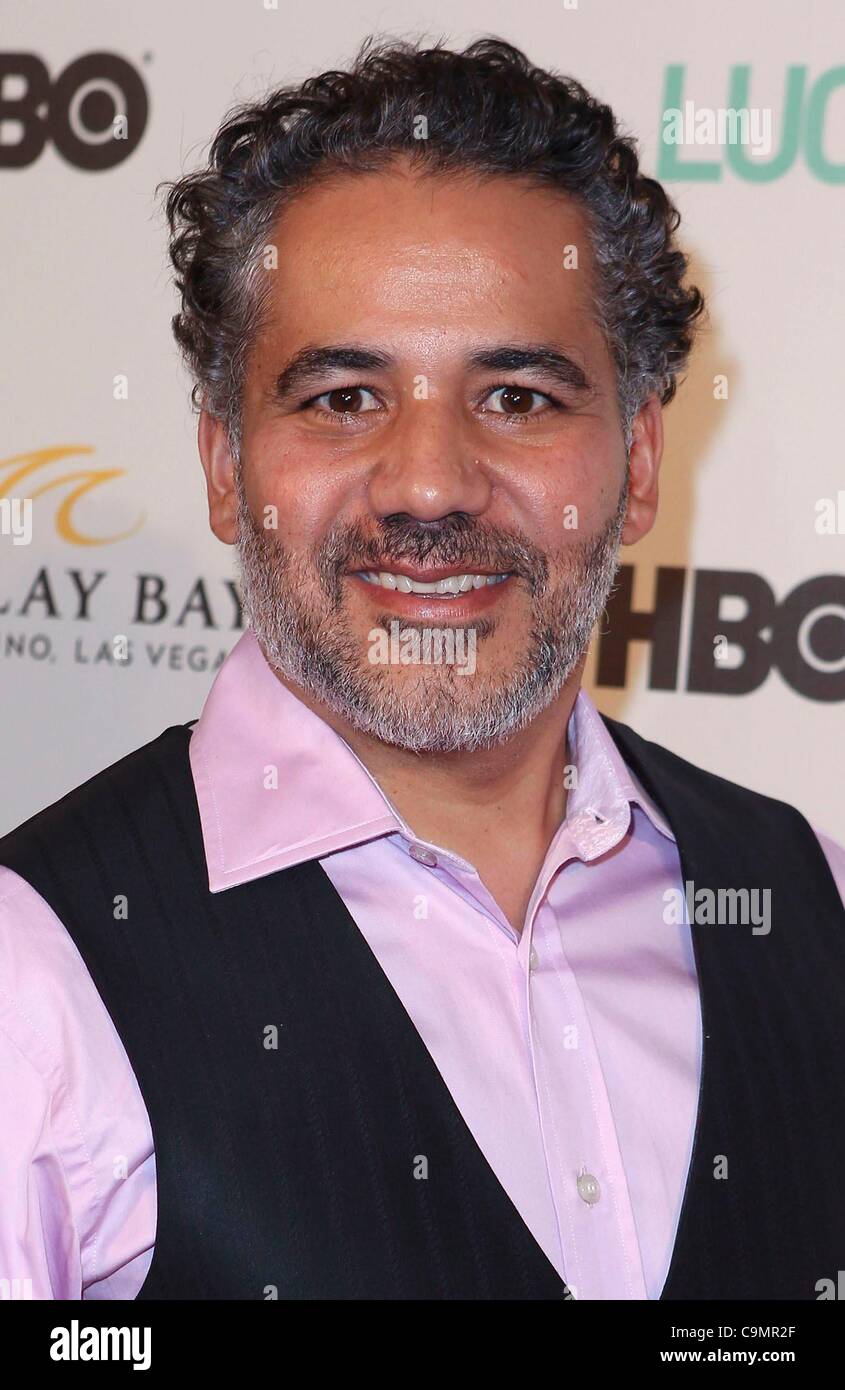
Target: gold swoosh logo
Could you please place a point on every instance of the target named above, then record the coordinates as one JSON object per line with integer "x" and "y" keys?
{"x": 21, "y": 466}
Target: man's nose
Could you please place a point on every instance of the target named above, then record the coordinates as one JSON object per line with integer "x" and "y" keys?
{"x": 429, "y": 467}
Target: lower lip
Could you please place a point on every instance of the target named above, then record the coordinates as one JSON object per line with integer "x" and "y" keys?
{"x": 456, "y": 607}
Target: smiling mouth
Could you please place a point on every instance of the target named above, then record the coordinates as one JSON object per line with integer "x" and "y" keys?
{"x": 445, "y": 586}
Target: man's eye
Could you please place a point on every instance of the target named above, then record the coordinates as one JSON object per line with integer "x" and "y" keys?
{"x": 345, "y": 400}
{"x": 518, "y": 400}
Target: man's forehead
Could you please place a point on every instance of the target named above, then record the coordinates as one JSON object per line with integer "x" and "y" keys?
{"x": 426, "y": 217}
{"x": 429, "y": 252}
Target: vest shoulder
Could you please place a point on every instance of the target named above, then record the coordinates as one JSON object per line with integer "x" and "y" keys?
{"x": 130, "y": 776}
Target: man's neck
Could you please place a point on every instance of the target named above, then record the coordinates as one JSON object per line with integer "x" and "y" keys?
{"x": 497, "y": 808}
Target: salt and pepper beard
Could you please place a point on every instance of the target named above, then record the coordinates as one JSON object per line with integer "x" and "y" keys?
{"x": 296, "y": 608}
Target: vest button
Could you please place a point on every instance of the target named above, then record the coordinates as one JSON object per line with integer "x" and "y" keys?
{"x": 423, "y": 856}
{"x": 588, "y": 1189}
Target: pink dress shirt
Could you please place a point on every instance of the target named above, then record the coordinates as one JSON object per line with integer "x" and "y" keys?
{"x": 572, "y": 1051}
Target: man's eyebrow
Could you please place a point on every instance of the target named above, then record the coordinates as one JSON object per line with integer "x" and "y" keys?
{"x": 311, "y": 363}
{"x": 536, "y": 357}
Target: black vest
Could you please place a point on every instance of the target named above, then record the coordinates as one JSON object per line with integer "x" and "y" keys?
{"x": 299, "y": 1170}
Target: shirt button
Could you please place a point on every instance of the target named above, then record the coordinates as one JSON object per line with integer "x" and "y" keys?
{"x": 588, "y": 1189}
{"x": 423, "y": 856}
{"x": 533, "y": 960}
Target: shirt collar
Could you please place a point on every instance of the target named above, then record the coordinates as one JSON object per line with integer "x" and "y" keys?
{"x": 598, "y": 811}
{"x": 276, "y": 786}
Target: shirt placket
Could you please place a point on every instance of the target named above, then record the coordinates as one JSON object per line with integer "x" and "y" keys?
{"x": 599, "y": 1246}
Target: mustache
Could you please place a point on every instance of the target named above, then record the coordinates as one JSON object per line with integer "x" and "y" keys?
{"x": 457, "y": 540}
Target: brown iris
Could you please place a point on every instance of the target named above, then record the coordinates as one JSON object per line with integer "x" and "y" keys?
{"x": 516, "y": 400}
{"x": 345, "y": 399}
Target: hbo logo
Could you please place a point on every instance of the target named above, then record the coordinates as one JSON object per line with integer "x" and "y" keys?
{"x": 802, "y": 636}
{"x": 94, "y": 113}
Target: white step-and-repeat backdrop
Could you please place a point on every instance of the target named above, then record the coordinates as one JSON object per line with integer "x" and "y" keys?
{"x": 97, "y": 430}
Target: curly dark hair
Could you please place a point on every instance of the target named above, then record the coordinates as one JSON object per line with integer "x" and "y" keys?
{"x": 488, "y": 110}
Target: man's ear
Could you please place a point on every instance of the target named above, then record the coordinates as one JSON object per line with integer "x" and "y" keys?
{"x": 219, "y": 467}
{"x": 643, "y": 469}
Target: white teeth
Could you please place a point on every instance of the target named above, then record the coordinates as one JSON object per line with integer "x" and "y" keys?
{"x": 454, "y": 584}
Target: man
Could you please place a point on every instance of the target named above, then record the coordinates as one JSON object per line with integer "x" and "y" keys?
{"x": 386, "y": 979}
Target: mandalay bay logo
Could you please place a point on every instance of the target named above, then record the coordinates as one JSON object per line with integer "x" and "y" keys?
{"x": 84, "y": 613}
